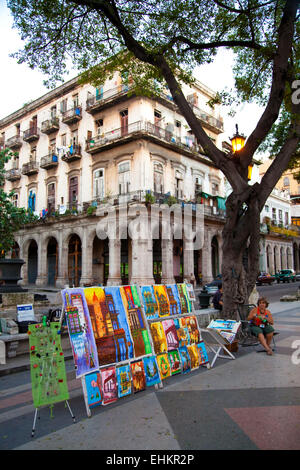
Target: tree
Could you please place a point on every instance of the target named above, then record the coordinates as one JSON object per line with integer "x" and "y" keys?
{"x": 164, "y": 40}
{"x": 12, "y": 218}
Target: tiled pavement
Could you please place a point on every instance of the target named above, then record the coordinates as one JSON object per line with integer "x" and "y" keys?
{"x": 250, "y": 403}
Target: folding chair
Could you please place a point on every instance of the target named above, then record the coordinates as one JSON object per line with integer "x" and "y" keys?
{"x": 215, "y": 342}
{"x": 247, "y": 338}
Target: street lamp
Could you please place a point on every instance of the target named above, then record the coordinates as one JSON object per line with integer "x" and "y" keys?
{"x": 237, "y": 143}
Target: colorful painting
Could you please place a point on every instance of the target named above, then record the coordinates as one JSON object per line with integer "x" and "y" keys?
{"x": 138, "y": 376}
{"x": 124, "y": 380}
{"x": 203, "y": 357}
{"x": 109, "y": 323}
{"x": 47, "y": 365}
{"x": 136, "y": 321}
{"x": 231, "y": 326}
{"x": 93, "y": 389}
{"x": 170, "y": 334}
{"x": 150, "y": 303}
{"x": 162, "y": 299}
{"x": 174, "y": 301}
{"x": 109, "y": 385}
{"x": 193, "y": 353}
{"x": 185, "y": 303}
{"x": 182, "y": 332}
{"x": 174, "y": 360}
{"x": 80, "y": 331}
{"x": 164, "y": 366}
{"x": 191, "y": 324}
{"x": 190, "y": 292}
{"x": 185, "y": 359}
{"x": 151, "y": 371}
{"x": 159, "y": 338}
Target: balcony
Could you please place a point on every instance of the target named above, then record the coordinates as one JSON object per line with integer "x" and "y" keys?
{"x": 73, "y": 154}
{"x": 30, "y": 168}
{"x": 51, "y": 125}
{"x": 31, "y": 134}
{"x": 72, "y": 115}
{"x": 13, "y": 174}
{"x": 49, "y": 161}
{"x": 107, "y": 98}
{"x": 14, "y": 142}
{"x": 209, "y": 121}
{"x": 144, "y": 129}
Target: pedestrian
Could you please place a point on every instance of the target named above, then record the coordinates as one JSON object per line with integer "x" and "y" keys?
{"x": 261, "y": 322}
{"x": 218, "y": 298}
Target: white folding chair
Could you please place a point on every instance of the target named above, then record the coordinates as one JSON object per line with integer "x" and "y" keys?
{"x": 215, "y": 342}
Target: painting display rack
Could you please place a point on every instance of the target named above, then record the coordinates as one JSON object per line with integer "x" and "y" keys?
{"x": 37, "y": 417}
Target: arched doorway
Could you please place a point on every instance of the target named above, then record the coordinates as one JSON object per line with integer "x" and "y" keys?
{"x": 157, "y": 260}
{"x": 32, "y": 264}
{"x": 74, "y": 260}
{"x": 215, "y": 257}
{"x": 178, "y": 260}
{"x": 126, "y": 250}
{"x": 100, "y": 260}
{"x": 52, "y": 261}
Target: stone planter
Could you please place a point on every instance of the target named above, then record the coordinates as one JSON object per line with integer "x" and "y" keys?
{"x": 10, "y": 274}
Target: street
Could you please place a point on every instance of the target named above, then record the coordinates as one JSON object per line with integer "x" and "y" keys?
{"x": 275, "y": 291}
{"x": 220, "y": 408}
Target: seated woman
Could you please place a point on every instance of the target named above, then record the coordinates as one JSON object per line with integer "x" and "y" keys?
{"x": 261, "y": 322}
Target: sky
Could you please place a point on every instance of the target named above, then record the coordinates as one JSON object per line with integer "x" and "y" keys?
{"x": 19, "y": 84}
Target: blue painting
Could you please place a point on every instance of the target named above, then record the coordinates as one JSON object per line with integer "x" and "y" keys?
{"x": 149, "y": 302}
{"x": 124, "y": 380}
{"x": 203, "y": 357}
{"x": 93, "y": 389}
{"x": 185, "y": 359}
{"x": 151, "y": 371}
{"x": 175, "y": 308}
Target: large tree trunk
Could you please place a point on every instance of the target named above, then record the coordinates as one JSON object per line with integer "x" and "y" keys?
{"x": 241, "y": 235}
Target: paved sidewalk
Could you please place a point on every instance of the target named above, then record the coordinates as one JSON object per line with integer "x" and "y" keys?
{"x": 252, "y": 402}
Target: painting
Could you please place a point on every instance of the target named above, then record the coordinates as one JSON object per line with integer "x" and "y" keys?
{"x": 185, "y": 303}
{"x": 164, "y": 366}
{"x": 80, "y": 331}
{"x": 136, "y": 320}
{"x": 162, "y": 299}
{"x": 192, "y": 326}
{"x": 231, "y": 326}
{"x": 174, "y": 301}
{"x": 203, "y": 357}
{"x": 150, "y": 303}
{"x": 185, "y": 359}
{"x": 174, "y": 360}
{"x": 109, "y": 323}
{"x": 190, "y": 292}
{"x": 151, "y": 371}
{"x": 159, "y": 338}
{"x": 193, "y": 353}
{"x": 123, "y": 380}
{"x": 170, "y": 334}
{"x": 93, "y": 389}
{"x": 182, "y": 332}
{"x": 138, "y": 376}
{"x": 109, "y": 385}
{"x": 47, "y": 365}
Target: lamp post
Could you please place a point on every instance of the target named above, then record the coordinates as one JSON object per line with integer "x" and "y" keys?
{"x": 237, "y": 143}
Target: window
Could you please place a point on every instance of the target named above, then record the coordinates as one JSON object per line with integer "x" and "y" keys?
{"x": 98, "y": 184}
{"x": 214, "y": 189}
{"x": 15, "y": 200}
{"x": 63, "y": 106}
{"x": 280, "y": 215}
{"x": 286, "y": 218}
{"x": 124, "y": 178}
{"x": 274, "y": 214}
{"x": 267, "y": 208}
{"x": 53, "y": 112}
{"x": 51, "y": 198}
{"x": 99, "y": 127}
{"x": 64, "y": 140}
{"x": 73, "y": 190}
{"x": 198, "y": 185}
{"x": 178, "y": 185}
{"x": 32, "y": 200}
{"x": 286, "y": 181}
{"x": 158, "y": 178}
{"x": 52, "y": 146}
{"x": 75, "y": 101}
{"x": 124, "y": 122}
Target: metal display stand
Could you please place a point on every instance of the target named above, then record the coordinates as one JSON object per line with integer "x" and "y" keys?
{"x": 215, "y": 342}
{"x": 36, "y": 416}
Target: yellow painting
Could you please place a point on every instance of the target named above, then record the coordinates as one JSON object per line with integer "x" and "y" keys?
{"x": 164, "y": 366}
{"x": 159, "y": 338}
{"x": 162, "y": 298}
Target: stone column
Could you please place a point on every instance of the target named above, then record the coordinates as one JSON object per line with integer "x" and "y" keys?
{"x": 63, "y": 249}
{"x": 167, "y": 275}
{"x": 24, "y": 269}
{"x": 141, "y": 262}
{"x": 188, "y": 260}
{"x": 206, "y": 259}
{"x": 42, "y": 275}
{"x": 114, "y": 277}
{"x": 86, "y": 259}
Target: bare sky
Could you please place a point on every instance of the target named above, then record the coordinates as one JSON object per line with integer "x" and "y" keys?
{"x": 19, "y": 84}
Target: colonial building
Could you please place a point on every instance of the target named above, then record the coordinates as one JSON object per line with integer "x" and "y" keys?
{"x": 79, "y": 148}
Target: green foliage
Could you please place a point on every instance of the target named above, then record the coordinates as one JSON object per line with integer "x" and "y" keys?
{"x": 150, "y": 198}
{"x": 11, "y": 218}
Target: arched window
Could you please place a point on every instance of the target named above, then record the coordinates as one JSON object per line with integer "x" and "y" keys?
{"x": 124, "y": 177}
{"x": 158, "y": 177}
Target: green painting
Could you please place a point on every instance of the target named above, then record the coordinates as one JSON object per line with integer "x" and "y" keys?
{"x": 47, "y": 365}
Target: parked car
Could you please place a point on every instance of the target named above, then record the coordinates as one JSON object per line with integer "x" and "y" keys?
{"x": 285, "y": 275}
{"x": 264, "y": 278}
{"x": 297, "y": 276}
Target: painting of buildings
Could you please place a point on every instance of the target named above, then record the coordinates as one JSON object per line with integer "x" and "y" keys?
{"x": 174, "y": 359}
{"x": 123, "y": 380}
{"x": 174, "y": 301}
{"x": 136, "y": 321}
{"x": 80, "y": 331}
{"x": 109, "y": 385}
{"x": 193, "y": 352}
{"x": 186, "y": 306}
{"x": 164, "y": 366}
{"x": 182, "y": 331}
{"x": 151, "y": 371}
{"x": 158, "y": 337}
{"x": 93, "y": 389}
{"x": 185, "y": 359}
{"x": 203, "y": 357}
{"x": 191, "y": 323}
{"x": 161, "y": 295}
{"x": 150, "y": 303}
{"x": 138, "y": 376}
{"x": 110, "y": 327}
{"x": 171, "y": 334}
